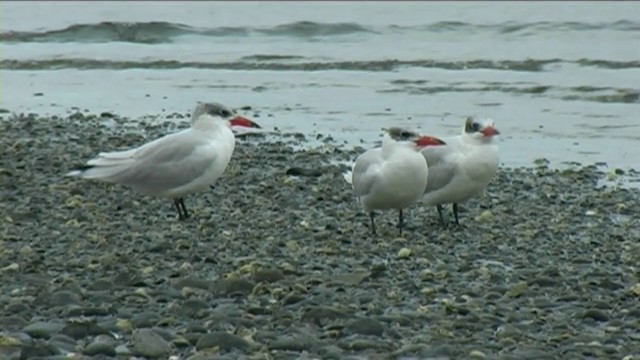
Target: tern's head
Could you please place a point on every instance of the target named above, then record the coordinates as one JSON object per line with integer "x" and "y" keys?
{"x": 480, "y": 130}
{"x": 213, "y": 110}
{"x": 412, "y": 138}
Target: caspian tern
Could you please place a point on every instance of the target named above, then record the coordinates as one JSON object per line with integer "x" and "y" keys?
{"x": 393, "y": 176}
{"x": 463, "y": 168}
{"x": 175, "y": 165}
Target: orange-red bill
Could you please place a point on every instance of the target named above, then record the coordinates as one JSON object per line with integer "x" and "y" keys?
{"x": 424, "y": 141}
{"x": 490, "y": 131}
{"x": 244, "y": 122}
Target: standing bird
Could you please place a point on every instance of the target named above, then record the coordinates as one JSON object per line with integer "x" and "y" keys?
{"x": 393, "y": 176}
{"x": 175, "y": 165}
{"x": 463, "y": 168}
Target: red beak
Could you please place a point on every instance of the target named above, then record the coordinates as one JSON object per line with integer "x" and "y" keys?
{"x": 490, "y": 131}
{"x": 424, "y": 141}
{"x": 243, "y": 122}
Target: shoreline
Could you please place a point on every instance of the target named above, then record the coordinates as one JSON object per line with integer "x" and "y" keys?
{"x": 174, "y": 121}
{"x": 277, "y": 266}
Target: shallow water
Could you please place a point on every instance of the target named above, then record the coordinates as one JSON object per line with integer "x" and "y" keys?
{"x": 559, "y": 79}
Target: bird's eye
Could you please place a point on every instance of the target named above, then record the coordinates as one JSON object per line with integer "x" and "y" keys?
{"x": 476, "y": 126}
{"x": 225, "y": 113}
{"x": 405, "y": 134}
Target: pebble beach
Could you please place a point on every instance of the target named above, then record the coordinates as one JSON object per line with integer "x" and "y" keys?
{"x": 277, "y": 260}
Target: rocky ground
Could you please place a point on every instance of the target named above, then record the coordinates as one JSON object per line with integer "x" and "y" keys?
{"x": 272, "y": 265}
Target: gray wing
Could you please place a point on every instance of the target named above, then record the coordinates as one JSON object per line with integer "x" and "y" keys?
{"x": 442, "y": 166}
{"x": 163, "y": 164}
{"x": 365, "y": 171}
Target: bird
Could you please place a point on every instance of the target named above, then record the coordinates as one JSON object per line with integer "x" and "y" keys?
{"x": 392, "y": 176}
{"x": 463, "y": 168}
{"x": 177, "y": 164}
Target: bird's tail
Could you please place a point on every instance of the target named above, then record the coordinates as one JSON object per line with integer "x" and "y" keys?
{"x": 106, "y": 166}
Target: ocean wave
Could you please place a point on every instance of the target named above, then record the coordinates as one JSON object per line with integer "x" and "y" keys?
{"x": 145, "y": 32}
{"x": 275, "y": 63}
{"x": 511, "y": 27}
{"x": 577, "y": 93}
{"x": 284, "y": 63}
{"x": 156, "y": 32}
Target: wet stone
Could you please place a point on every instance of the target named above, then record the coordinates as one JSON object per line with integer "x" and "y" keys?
{"x": 145, "y": 342}
{"x": 234, "y": 286}
{"x": 366, "y": 327}
{"x": 223, "y": 340}
{"x": 43, "y": 329}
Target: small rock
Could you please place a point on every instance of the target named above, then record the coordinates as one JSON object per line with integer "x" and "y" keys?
{"x": 145, "y": 319}
{"x": 100, "y": 348}
{"x": 63, "y": 342}
{"x": 354, "y": 278}
{"x": 293, "y": 343}
{"x": 544, "y": 281}
{"x": 268, "y": 275}
{"x": 366, "y": 327}
{"x": 193, "y": 282}
{"x": 234, "y": 286}
{"x": 42, "y": 329}
{"x": 82, "y": 328}
{"x": 484, "y": 216}
{"x": 292, "y": 298}
{"x": 122, "y": 350}
{"x": 321, "y": 313}
{"x": 12, "y": 323}
{"x": 477, "y": 354}
{"x": 517, "y": 289}
{"x": 298, "y": 171}
{"x": 37, "y": 350}
{"x": 222, "y": 340}
{"x": 193, "y": 307}
{"x": 404, "y": 253}
{"x": 596, "y": 314}
{"x": 145, "y": 342}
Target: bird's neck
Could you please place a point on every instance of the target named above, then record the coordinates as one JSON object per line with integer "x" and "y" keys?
{"x": 210, "y": 125}
{"x": 476, "y": 139}
{"x": 391, "y": 147}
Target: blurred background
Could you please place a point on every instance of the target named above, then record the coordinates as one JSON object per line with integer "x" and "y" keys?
{"x": 560, "y": 79}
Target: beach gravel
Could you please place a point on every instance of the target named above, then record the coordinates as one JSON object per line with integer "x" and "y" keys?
{"x": 277, "y": 260}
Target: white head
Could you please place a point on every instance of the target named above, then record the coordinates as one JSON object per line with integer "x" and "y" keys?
{"x": 207, "y": 113}
{"x": 409, "y": 138}
{"x": 480, "y": 131}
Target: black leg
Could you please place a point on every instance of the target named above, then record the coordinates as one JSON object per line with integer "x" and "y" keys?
{"x": 455, "y": 212}
{"x": 176, "y": 202}
{"x": 400, "y": 222}
{"x": 184, "y": 208}
{"x": 373, "y": 224}
{"x": 439, "y": 207}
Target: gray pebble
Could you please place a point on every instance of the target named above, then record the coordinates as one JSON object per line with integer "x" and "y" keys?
{"x": 100, "y": 348}
{"x": 234, "y": 286}
{"x": 145, "y": 342}
{"x": 293, "y": 343}
{"x": 12, "y": 323}
{"x": 63, "y": 298}
{"x": 223, "y": 340}
{"x": 268, "y": 275}
{"x": 38, "y": 349}
{"x": 596, "y": 314}
{"x": 366, "y": 327}
{"x": 43, "y": 329}
{"x": 145, "y": 320}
